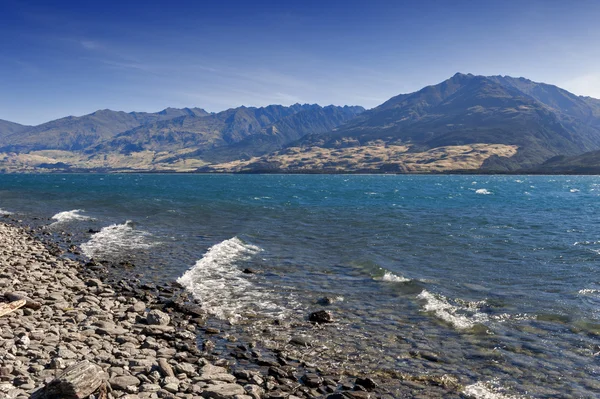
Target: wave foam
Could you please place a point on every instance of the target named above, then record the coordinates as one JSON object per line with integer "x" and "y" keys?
{"x": 488, "y": 390}
{"x": 391, "y": 277}
{"x": 67, "y": 216}
{"x": 220, "y": 285}
{"x": 3, "y": 212}
{"x": 463, "y": 315}
{"x": 116, "y": 239}
{"x": 588, "y": 291}
{"x": 483, "y": 191}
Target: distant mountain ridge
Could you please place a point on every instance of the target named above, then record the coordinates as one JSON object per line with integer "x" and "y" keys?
{"x": 539, "y": 120}
{"x": 465, "y": 123}
{"x": 74, "y": 133}
{"x": 169, "y": 136}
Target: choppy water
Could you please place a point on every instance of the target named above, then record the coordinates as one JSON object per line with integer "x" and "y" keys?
{"x": 497, "y": 276}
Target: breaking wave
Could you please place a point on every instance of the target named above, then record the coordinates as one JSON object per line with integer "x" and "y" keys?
{"x": 483, "y": 191}
{"x": 68, "y": 216}
{"x": 488, "y": 390}
{"x": 220, "y": 285}
{"x": 461, "y": 314}
{"x": 391, "y": 277}
{"x": 115, "y": 240}
{"x": 588, "y": 291}
{"x": 3, "y": 212}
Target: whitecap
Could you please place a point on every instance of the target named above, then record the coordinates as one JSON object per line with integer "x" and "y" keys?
{"x": 588, "y": 291}
{"x": 68, "y": 216}
{"x": 483, "y": 191}
{"x": 3, "y": 212}
{"x": 115, "y": 240}
{"x": 574, "y": 190}
{"x": 488, "y": 390}
{"x": 221, "y": 287}
{"x": 463, "y": 315}
{"x": 391, "y": 277}
{"x": 512, "y": 317}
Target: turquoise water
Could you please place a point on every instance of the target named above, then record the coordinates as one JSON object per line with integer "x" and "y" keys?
{"x": 498, "y": 276}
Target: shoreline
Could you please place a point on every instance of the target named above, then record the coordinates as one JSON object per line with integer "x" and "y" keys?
{"x": 86, "y": 316}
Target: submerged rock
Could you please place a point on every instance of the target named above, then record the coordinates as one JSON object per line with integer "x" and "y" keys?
{"x": 321, "y": 316}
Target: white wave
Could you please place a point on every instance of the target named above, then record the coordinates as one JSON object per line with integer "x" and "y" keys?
{"x": 463, "y": 315}
{"x": 221, "y": 286}
{"x": 67, "y": 216}
{"x": 483, "y": 191}
{"x": 116, "y": 239}
{"x": 488, "y": 390}
{"x": 512, "y": 317}
{"x": 3, "y": 212}
{"x": 586, "y": 243}
{"x": 574, "y": 190}
{"x": 588, "y": 291}
{"x": 389, "y": 276}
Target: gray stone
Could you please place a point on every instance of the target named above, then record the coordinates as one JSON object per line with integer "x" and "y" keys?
{"x": 171, "y": 387}
{"x": 138, "y": 307}
{"x": 156, "y": 317}
{"x": 223, "y": 391}
{"x": 150, "y": 388}
{"x": 124, "y": 381}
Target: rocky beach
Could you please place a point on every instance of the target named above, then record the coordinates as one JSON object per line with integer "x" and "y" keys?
{"x": 79, "y": 333}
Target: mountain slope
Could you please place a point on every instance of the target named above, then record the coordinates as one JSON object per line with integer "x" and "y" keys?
{"x": 586, "y": 163}
{"x": 313, "y": 120}
{"x": 230, "y": 132}
{"x": 75, "y": 133}
{"x": 464, "y": 109}
{"x": 7, "y": 128}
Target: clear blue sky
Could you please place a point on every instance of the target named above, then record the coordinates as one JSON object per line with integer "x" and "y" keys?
{"x": 72, "y": 58}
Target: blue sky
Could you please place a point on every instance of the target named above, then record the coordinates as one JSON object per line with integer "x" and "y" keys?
{"x": 72, "y": 58}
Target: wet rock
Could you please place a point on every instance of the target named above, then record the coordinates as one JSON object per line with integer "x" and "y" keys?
{"x": 326, "y": 300}
{"x": 367, "y": 383}
{"x": 301, "y": 340}
{"x": 321, "y": 316}
{"x": 312, "y": 380}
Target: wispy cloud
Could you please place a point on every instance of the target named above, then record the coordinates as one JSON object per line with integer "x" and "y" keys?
{"x": 584, "y": 85}
{"x": 89, "y": 44}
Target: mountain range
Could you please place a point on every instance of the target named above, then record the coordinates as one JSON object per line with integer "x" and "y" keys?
{"x": 467, "y": 123}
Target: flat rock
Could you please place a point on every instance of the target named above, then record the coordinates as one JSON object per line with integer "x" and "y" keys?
{"x": 124, "y": 381}
{"x": 223, "y": 391}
